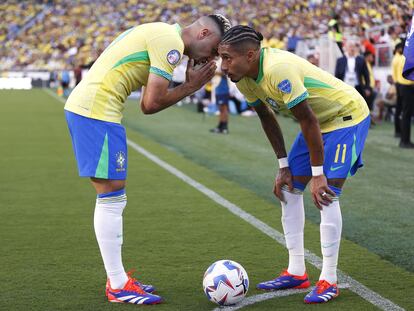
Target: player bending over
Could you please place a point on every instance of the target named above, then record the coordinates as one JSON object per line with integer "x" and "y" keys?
{"x": 144, "y": 55}
{"x": 334, "y": 120}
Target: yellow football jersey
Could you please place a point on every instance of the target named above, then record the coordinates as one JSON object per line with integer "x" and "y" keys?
{"x": 286, "y": 79}
{"x": 397, "y": 66}
{"x": 124, "y": 67}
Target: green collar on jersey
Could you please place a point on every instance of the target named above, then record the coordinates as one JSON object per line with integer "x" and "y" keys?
{"x": 178, "y": 28}
{"x": 260, "y": 75}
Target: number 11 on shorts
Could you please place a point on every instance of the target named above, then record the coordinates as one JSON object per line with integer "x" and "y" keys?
{"x": 338, "y": 150}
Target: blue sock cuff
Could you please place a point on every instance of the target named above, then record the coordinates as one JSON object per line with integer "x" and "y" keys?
{"x": 298, "y": 185}
{"x": 337, "y": 191}
{"x": 112, "y": 194}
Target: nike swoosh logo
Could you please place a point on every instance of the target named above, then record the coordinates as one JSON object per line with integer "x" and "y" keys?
{"x": 336, "y": 168}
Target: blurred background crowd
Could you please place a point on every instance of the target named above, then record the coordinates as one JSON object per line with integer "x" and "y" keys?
{"x": 53, "y": 34}
{"x": 64, "y": 38}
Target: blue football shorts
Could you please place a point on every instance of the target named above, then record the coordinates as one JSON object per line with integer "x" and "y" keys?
{"x": 100, "y": 147}
{"x": 222, "y": 99}
{"x": 342, "y": 152}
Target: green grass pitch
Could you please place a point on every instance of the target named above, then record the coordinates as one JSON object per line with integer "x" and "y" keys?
{"x": 50, "y": 260}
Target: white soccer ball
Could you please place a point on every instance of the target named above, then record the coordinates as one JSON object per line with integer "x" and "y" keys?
{"x": 225, "y": 282}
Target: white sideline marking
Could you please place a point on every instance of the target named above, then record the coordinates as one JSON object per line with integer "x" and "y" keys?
{"x": 356, "y": 287}
{"x": 54, "y": 95}
{"x": 269, "y": 295}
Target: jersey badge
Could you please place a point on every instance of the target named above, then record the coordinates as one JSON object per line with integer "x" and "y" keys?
{"x": 285, "y": 86}
{"x": 120, "y": 161}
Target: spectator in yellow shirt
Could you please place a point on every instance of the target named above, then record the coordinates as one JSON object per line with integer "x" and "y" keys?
{"x": 394, "y": 70}
{"x": 406, "y": 93}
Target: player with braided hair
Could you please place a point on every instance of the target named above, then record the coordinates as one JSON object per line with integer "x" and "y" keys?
{"x": 145, "y": 55}
{"x": 241, "y": 35}
{"x": 334, "y": 121}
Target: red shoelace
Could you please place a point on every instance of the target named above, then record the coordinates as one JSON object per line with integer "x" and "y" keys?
{"x": 132, "y": 286}
{"x": 322, "y": 286}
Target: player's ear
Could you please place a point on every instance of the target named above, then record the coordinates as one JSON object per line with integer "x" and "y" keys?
{"x": 250, "y": 55}
{"x": 203, "y": 33}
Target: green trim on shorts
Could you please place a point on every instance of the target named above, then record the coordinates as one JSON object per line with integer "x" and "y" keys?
{"x": 103, "y": 164}
{"x": 354, "y": 156}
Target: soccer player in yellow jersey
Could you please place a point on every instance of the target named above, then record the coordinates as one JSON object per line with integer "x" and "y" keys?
{"x": 334, "y": 120}
{"x": 145, "y": 55}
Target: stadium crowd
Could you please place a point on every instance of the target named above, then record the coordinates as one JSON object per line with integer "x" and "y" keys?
{"x": 64, "y": 35}
{"x": 14, "y": 15}
{"x": 70, "y": 33}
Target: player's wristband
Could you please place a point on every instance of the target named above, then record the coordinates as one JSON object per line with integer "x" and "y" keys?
{"x": 283, "y": 162}
{"x": 317, "y": 170}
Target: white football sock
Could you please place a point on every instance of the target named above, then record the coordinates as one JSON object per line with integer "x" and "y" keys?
{"x": 293, "y": 222}
{"x": 108, "y": 230}
{"x": 331, "y": 228}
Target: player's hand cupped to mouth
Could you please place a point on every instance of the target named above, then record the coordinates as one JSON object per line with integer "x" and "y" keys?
{"x": 196, "y": 77}
{"x": 284, "y": 177}
{"x": 321, "y": 193}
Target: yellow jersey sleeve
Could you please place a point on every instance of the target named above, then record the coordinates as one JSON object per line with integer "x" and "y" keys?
{"x": 394, "y": 69}
{"x": 251, "y": 99}
{"x": 165, "y": 54}
{"x": 287, "y": 80}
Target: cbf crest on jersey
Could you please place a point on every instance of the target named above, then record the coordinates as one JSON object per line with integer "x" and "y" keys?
{"x": 285, "y": 86}
{"x": 173, "y": 57}
{"x": 272, "y": 103}
{"x": 120, "y": 161}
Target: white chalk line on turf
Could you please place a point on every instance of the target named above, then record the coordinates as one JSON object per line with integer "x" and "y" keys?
{"x": 54, "y": 95}
{"x": 269, "y": 295}
{"x": 356, "y": 287}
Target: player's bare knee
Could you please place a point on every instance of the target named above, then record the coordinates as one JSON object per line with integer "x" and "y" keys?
{"x": 337, "y": 190}
{"x": 336, "y": 182}
{"x": 298, "y": 186}
{"x": 107, "y": 185}
{"x": 300, "y": 182}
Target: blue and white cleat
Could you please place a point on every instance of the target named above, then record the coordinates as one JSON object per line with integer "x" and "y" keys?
{"x": 285, "y": 281}
{"x": 132, "y": 293}
{"x": 323, "y": 292}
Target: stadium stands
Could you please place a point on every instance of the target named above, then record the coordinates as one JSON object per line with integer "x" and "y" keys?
{"x": 51, "y": 35}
